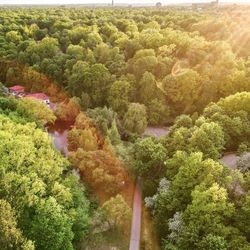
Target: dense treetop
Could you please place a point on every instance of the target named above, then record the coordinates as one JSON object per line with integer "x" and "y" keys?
{"x": 164, "y": 59}
{"x": 43, "y": 206}
{"x": 124, "y": 70}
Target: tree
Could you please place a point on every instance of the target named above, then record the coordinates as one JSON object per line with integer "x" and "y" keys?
{"x": 120, "y": 95}
{"x": 243, "y": 163}
{"x": 75, "y": 51}
{"x": 143, "y": 61}
{"x": 192, "y": 172}
{"x": 51, "y": 227}
{"x": 178, "y": 140}
{"x": 68, "y": 111}
{"x": 158, "y": 112}
{"x": 113, "y": 134}
{"x": 232, "y": 114}
{"x": 150, "y": 156}
{"x": 42, "y": 201}
{"x": 38, "y": 110}
{"x": 158, "y": 4}
{"x": 182, "y": 121}
{"x": 147, "y": 88}
{"x": 95, "y": 80}
{"x": 135, "y": 119}
{"x": 80, "y": 207}
{"x": 10, "y": 235}
{"x": 13, "y": 36}
{"x": 209, "y": 139}
{"x": 102, "y": 118}
{"x": 183, "y": 90}
{"x": 244, "y": 215}
{"x": 100, "y": 169}
{"x": 206, "y": 215}
{"x": 184, "y": 173}
{"x": 213, "y": 242}
{"x": 118, "y": 213}
{"x": 82, "y": 138}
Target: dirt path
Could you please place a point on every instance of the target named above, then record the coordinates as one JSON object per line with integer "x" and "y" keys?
{"x": 136, "y": 220}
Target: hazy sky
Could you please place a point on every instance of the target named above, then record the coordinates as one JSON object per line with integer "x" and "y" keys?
{"x": 108, "y": 1}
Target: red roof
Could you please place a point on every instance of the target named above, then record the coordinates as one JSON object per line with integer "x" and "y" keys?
{"x": 40, "y": 96}
{"x": 17, "y": 88}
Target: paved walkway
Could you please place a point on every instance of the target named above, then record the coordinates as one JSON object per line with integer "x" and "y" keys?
{"x": 229, "y": 160}
{"x": 136, "y": 220}
{"x": 156, "y": 131}
{"x": 60, "y": 141}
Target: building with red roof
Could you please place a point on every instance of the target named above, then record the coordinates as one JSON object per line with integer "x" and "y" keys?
{"x": 39, "y": 96}
{"x": 16, "y": 89}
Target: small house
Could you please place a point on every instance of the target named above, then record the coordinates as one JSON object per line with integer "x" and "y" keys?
{"x": 16, "y": 90}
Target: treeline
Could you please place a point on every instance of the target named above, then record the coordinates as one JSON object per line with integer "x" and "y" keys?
{"x": 170, "y": 62}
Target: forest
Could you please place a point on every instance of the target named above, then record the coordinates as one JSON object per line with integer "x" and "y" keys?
{"x": 113, "y": 73}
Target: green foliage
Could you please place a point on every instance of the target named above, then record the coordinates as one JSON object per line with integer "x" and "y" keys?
{"x": 119, "y": 96}
{"x": 243, "y": 163}
{"x": 113, "y": 134}
{"x": 150, "y": 156}
{"x": 209, "y": 139}
{"x": 26, "y": 110}
{"x": 157, "y": 112}
{"x": 38, "y": 110}
{"x": 51, "y": 227}
{"x": 11, "y": 236}
{"x": 178, "y": 60}
{"x": 127, "y": 68}
{"x": 183, "y": 89}
{"x": 135, "y": 119}
{"x": 185, "y": 172}
{"x": 92, "y": 79}
{"x": 207, "y": 215}
{"x": 118, "y": 213}
{"x": 212, "y": 242}
{"x": 102, "y": 118}
{"x": 232, "y": 114}
{"x": 45, "y": 201}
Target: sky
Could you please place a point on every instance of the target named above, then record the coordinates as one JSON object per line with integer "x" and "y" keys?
{"x": 109, "y": 1}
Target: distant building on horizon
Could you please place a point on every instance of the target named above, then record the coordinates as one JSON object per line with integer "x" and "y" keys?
{"x": 213, "y": 4}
